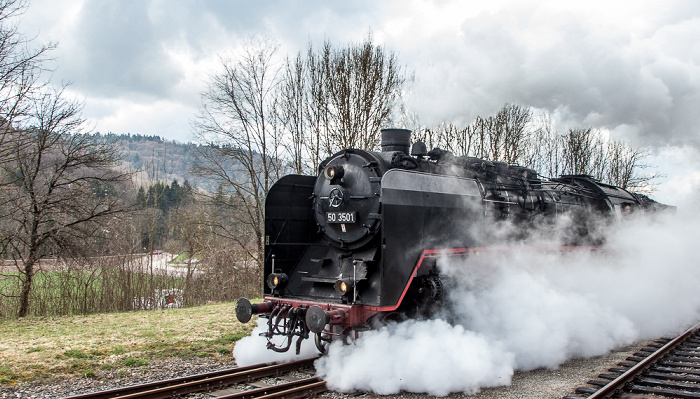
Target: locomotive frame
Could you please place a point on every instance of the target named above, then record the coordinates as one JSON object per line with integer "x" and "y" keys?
{"x": 357, "y": 245}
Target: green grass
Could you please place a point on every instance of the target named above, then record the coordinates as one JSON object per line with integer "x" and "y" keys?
{"x": 89, "y": 346}
{"x": 7, "y": 375}
{"x": 181, "y": 258}
{"x": 35, "y": 349}
{"x": 135, "y": 362}
{"x": 75, "y": 353}
{"x": 107, "y": 366}
{"x": 222, "y": 350}
{"x": 57, "y": 293}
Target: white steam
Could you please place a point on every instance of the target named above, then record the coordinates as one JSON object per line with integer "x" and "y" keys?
{"x": 418, "y": 356}
{"x": 253, "y": 349}
{"x": 519, "y": 310}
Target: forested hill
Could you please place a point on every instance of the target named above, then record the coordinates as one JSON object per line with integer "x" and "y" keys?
{"x": 157, "y": 159}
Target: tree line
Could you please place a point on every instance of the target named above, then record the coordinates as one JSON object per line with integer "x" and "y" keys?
{"x": 78, "y": 233}
{"x": 515, "y": 136}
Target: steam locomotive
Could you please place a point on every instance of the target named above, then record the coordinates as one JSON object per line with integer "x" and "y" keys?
{"x": 357, "y": 245}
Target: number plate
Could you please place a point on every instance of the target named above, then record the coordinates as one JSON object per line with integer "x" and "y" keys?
{"x": 340, "y": 217}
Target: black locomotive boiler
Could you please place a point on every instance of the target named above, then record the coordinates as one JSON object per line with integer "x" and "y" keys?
{"x": 358, "y": 243}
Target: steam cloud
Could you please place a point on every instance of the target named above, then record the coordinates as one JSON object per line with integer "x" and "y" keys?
{"x": 526, "y": 309}
{"x": 253, "y": 349}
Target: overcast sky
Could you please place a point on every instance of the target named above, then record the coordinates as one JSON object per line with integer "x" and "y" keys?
{"x": 632, "y": 67}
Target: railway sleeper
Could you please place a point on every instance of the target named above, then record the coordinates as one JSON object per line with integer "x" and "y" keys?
{"x": 680, "y": 358}
{"x": 676, "y": 370}
{"x": 674, "y": 354}
{"x": 667, "y": 384}
{"x": 689, "y": 349}
{"x": 597, "y": 383}
{"x": 618, "y": 370}
{"x": 586, "y": 390}
{"x": 664, "y": 392}
{"x": 655, "y": 345}
{"x": 672, "y": 377}
{"x": 691, "y": 366}
{"x": 609, "y": 377}
{"x": 650, "y": 349}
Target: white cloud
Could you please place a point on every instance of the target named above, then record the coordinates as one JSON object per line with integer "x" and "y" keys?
{"x": 631, "y": 68}
{"x": 680, "y": 185}
{"x": 161, "y": 117}
{"x": 594, "y": 66}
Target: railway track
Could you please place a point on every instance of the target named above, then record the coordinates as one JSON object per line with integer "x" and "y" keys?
{"x": 669, "y": 368}
{"x": 220, "y": 380}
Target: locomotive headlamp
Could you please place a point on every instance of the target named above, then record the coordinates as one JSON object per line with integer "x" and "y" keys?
{"x": 277, "y": 280}
{"x": 342, "y": 286}
{"x": 333, "y": 173}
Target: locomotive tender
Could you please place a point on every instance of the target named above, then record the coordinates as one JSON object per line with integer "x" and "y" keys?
{"x": 358, "y": 243}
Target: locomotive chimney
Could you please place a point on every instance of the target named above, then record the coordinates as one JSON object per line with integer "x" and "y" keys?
{"x": 396, "y": 140}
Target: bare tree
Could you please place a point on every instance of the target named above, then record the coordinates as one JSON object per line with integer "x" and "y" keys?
{"x": 237, "y": 123}
{"x": 512, "y": 126}
{"x": 511, "y": 136}
{"x": 504, "y": 137}
{"x": 581, "y": 150}
{"x": 352, "y": 92}
{"x": 56, "y": 184}
{"x": 337, "y": 98}
{"x": 544, "y": 153}
{"x": 195, "y": 227}
{"x": 316, "y": 113}
{"x": 261, "y": 118}
{"x": 459, "y": 141}
{"x": 57, "y": 189}
{"x": 625, "y": 166}
{"x": 482, "y": 129}
{"x": 291, "y": 111}
{"x": 20, "y": 70}
{"x": 588, "y": 151}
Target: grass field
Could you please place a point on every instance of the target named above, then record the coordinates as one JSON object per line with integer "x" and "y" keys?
{"x": 45, "y": 348}
{"x": 80, "y": 292}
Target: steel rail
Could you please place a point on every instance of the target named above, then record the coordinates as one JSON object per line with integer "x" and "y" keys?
{"x": 608, "y": 390}
{"x": 197, "y": 383}
{"x": 303, "y": 388}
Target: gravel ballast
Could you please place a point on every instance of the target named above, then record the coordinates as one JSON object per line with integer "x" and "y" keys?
{"x": 536, "y": 384}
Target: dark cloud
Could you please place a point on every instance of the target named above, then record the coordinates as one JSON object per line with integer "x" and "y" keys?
{"x": 126, "y": 47}
{"x": 116, "y": 50}
{"x": 644, "y": 83}
{"x": 632, "y": 69}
